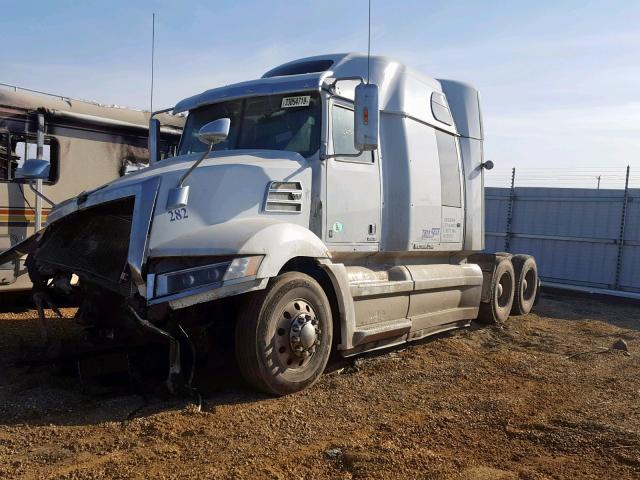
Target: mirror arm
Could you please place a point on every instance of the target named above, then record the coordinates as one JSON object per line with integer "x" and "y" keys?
{"x": 194, "y": 165}
{"x": 40, "y": 194}
{"x": 344, "y": 79}
{"x": 331, "y": 87}
{"x": 334, "y": 155}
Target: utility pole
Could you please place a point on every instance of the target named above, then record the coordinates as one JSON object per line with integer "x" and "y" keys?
{"x": 598, "y": 177}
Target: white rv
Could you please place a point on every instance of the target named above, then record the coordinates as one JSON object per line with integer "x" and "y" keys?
{"x": 334, "y": 203}
{"x": 84, "y": 144}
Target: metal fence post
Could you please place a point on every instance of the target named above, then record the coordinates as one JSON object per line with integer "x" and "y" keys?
{"x": 512, "y": 199}
{"x": 623, "y": 219}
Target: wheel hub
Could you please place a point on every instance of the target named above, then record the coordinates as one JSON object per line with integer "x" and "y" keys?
{"x": 298, "y": 335}
{"x": 304, "y": 335}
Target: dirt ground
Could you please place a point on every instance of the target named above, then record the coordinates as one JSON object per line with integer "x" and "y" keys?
{"x": 542, "y": 397}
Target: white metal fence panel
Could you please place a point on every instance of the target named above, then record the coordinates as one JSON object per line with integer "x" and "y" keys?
{"x": 573, "y": 233}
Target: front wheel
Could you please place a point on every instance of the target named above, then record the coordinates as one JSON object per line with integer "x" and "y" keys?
{"x": 284, "y": 335}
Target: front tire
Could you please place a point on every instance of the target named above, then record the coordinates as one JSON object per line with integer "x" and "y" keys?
{"x": 284, "y": 335}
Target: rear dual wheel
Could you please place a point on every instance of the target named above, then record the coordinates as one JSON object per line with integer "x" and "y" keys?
{"x": 514, "y": 289}
{"x": 503, "y": 286}
{"x": 527, "y": 282}
{"x": 284, "y": 335}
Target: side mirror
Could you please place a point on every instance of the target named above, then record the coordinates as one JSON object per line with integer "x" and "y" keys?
{"x": 34, "y": 169}
{"x": 215, "y": 132}
{"x": 154, "y": 141}
{"x": 367, "y": 117}
{"x": 210, "y": 133}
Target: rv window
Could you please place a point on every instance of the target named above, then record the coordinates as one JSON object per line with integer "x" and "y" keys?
{"x": 21, "y": 148}
{"x": 26, "y": 150}
{"x": 449, "y": 169}
{"x": 8, "y": 158}
{"x": 343, "y": 140}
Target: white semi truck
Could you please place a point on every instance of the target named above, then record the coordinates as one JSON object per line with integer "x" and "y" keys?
{"x": 335, "y": 204}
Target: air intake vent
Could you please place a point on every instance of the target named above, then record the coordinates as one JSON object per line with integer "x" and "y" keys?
{"x": 284, "y": 197}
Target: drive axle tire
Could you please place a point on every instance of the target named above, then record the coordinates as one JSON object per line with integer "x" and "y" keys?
{"x": 527, "y": 282}
{"x": 498, "y": 308}
{"x": 284, "y": 335}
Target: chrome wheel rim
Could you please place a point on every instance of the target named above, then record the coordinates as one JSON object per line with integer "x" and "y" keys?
{"x": 298, "y": 335}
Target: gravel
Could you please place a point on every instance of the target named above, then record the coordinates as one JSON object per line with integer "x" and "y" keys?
{"x": 482, "y": 403}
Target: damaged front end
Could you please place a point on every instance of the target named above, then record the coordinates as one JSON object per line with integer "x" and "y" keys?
{"x": 102, "y": 238}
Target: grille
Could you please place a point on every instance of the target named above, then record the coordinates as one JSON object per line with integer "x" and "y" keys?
{"x": 93, "y": 243}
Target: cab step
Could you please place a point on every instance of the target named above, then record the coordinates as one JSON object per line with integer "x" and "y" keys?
{"x": 379, "y": 331}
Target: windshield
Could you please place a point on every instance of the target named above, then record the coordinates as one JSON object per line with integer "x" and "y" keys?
{"x": 275, "y": 122}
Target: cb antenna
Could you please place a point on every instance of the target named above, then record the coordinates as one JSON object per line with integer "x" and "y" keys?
{"x": 153, "y": 45}
{"x": 369, "y": 45}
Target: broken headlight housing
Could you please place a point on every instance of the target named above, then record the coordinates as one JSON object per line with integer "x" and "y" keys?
{"x": 214, "y": 275}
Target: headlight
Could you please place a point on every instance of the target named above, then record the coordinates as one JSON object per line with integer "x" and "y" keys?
{"x": 208, "y": 275}
{"x": 243, "y": 267}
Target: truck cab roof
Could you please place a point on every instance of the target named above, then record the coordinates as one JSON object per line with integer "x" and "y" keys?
{"x": 402, "y": 90}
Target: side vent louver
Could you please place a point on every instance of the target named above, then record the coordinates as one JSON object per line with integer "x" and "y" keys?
{"x": 284, "y": 197}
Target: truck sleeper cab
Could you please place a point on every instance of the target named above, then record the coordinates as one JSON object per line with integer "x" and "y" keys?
{"x": 314, "y": 211}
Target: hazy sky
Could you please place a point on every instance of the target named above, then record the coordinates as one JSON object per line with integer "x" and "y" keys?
{"x": 560, "y": 80}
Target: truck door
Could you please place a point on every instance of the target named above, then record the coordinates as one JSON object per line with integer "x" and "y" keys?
{"x": 353, "y": 187}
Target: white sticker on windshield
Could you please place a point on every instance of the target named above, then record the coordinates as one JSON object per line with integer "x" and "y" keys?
{"x": 290, "y": 102}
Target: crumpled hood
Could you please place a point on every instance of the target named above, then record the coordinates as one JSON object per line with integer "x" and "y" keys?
{"x": 226, "y": 187}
